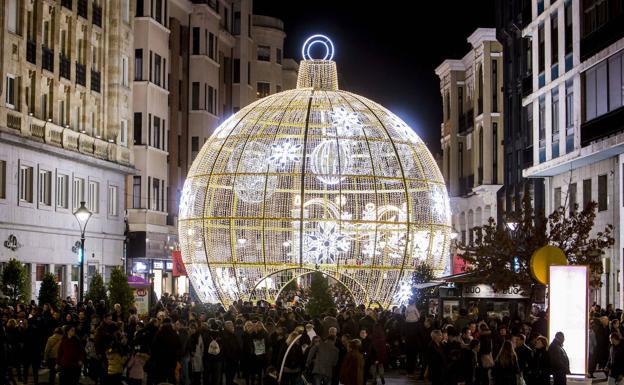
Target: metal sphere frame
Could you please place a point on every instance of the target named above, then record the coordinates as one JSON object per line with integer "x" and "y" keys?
{"x": 313, "y": 179}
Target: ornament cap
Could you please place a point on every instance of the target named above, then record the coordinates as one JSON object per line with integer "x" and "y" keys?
{"x": 319, "y": 74}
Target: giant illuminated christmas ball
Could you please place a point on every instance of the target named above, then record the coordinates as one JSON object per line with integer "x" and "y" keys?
{"x": 309, "y": 179}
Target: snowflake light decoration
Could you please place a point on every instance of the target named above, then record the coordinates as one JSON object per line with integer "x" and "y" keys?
{"x": 404, "y": 292}
{"x": 324, "y": 245}
{"x": 346, "y": 123}
{"x": 284, "y": 153}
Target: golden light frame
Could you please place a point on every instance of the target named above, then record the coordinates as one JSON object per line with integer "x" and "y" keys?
{"x": 310, "y": 179}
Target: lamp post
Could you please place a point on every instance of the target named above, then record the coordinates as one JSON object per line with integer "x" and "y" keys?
{"x": 82, "y": 215}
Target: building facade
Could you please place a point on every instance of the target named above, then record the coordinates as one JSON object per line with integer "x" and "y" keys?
{"x": 196, "y": 63}
{"x": 575, "y": 112}
{"x": 472, "y": 134}
{"x": 66, "y": 107}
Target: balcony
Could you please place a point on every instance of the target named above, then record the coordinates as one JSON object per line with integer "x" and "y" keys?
{"x": 97, "y": 15}
{"x": 64, "y": 67}
{"x": 602, "y": 126}
{"x": 95, "y": 81}
{"x": 67, "y": 4}
{"x": 47, "y": 59}
{"x": 31, "y": 51}
{"x": 83, "y": 6}
{"x": 14, "y": 121}
{"x": 81, "y": 74}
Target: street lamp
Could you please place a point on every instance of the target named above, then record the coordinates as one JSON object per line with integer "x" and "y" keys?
{"x": 82, "y": 215}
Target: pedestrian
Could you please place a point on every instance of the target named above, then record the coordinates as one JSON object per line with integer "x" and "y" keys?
{"x": 436, "y": 360}
{"x": 379, "y": 353}
{"x": 540, "y": 367}
{"x": 506, "y": 369}
{"x": 525, "y": 357}
{"x": 195, "y": 349}
{"x": 50, "y": 354}
{"x": 116, "y": 360}
{"x": 352, "y": 369}
{"x": 165, "y": 350}
{"x": 321, "y": 361}
{"x": 70, "y": 357}
{"x": 136, "y": 368}
{"x": 615, "y": 364}
{"x": 559, "y": 362}
{"x": 231, "y": 352}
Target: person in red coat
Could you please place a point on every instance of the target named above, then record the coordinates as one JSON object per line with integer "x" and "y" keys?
{"x": 70, "y": 357}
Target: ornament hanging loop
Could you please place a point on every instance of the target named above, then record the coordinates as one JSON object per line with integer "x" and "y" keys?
{"x": 318, "y": 39}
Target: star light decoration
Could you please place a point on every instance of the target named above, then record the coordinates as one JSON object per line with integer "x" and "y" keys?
{"x": 312, "y": 179}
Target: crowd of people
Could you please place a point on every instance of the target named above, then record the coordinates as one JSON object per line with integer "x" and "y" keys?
{"x": 269, "y": 344}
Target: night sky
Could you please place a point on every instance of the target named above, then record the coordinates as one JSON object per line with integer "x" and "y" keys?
{"x": 385, "y": 52}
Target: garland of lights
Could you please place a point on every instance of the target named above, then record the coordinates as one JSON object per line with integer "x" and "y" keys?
{"x": 312, "y": 179}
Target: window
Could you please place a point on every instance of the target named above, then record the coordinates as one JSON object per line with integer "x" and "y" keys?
{"x": 554, "y": 39}
{"x": 541, "y": 58}
{"x": 138, "y": 128}
{"x": 494, "y": 153}
{"x": 572, "y": 198}
{"x": 264, "y": 89}
{"x": 249, "y": 25}
{"x": 480, "y": 170}
{"x": 155, "y": 201}
{"x": 264, "y": 53}
{"x": 587, "y": 191}
{"x": 447, "y": 105}
{"x": 93, "y": 203}
{"x": 156, "y": 132}
{"x": 45, "y": 188}
{"x": 157, "y": 13}
{"x": 140, "y": 8}
{"x": 123, "y": 132}
{"x": 77, "y": 192}
{"x": 62, "y": 184}
{"x": 236, "y": 24}
{"x": 124, "y": 71}
{"x": 278, "y": 56}
{"x": 157, "y": 65}
{"x": 212, "y": 46}
{"x": 460, "y": 100}
{"x": 249, "y": 73}
{"x": 555, "y": 122}
{"x": 596, "y": 91}
{"x": 112, "y": 201}
{"x": 212, "y": 100}
{"x": 569, "y": 115}
{"x": 557, "y": 198}
{"x": 568, "y": 34}
{"x": 494, "y": 85}
{"x": 236, "y": 70}
{"x": 26, "y": 184}
{"x": 196, "y": 41}
{"x": 13, "y": 16}
{"x": 11, "y": 91}
{"x": 542, "y": 129}
{"x": 460, "y": 160}
{"x": 278, "y": 88}
{"x": 602, "y": 193}
{"x": 195, "y": 96}
{"x": 3, "y": 180}
{"x": 194, "y": 147}
{"x": 136, "y": 192}
{"x": 616, "y": 81}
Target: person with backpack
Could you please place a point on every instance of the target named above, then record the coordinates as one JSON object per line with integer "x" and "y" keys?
{"x": 212, "y": 354}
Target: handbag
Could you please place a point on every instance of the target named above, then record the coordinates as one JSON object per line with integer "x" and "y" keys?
{"x": 487, "y": 361}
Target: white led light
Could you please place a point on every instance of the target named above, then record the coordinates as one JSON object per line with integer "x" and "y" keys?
{"x": 318, "y": 39}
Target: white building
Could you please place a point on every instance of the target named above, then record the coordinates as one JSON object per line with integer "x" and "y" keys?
{"x": 472, "y": 132}
{"x": 575, "y": 112}
{"x": 64, "y": 111}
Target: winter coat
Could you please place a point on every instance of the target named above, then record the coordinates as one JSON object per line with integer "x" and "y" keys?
{"x": 541, "y": 367}
{"x": 52, "y": 347}
{"x": 506, "y": 375}
{"x": 70, "y": 352}
{"x": 559, "y": 362}
{"x": 165, "y": 350}
{"x": 616, "y": 361}
{"x": 116, "y": 362}
{"x": 436, "y": 363}
{"x": 196, "y": 350}
{"x": 230, "y": 347}
{"x": 135, "y": 366}
{"x": 322, "y": 358}
{"x": 352, "y": 369}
